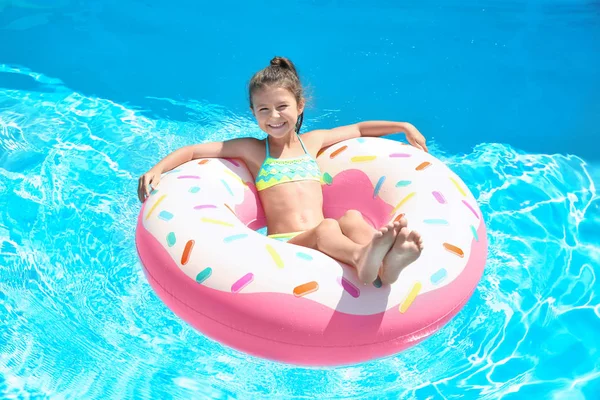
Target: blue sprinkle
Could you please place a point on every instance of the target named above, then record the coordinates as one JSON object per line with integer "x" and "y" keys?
{"x": 172, "y": 172}
{"x": 165, "y": 215}
{"x": 402, "y": 183}
{"x": 227, "y": 187}
{"x": 154, "y": 191}
{"x": 304, "y": 256}
{"x": 438, "y": 276}
{"x": 171, "y": 239}
{"x": 203, "y": 275}
{"x": 475, "y": 235}
{"x": 377, "y": 283}
{"x": 235, "y": 237}
{"x": 378, "y": 186}
{"x": 436, "y": 221}
{"x": 194, "y": 189}
{"x": 361, "y": 140}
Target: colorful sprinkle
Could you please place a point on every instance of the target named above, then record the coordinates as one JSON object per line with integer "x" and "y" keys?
{"x": 242, "y": 282}
{"x": 236, "y": 177}
{"x": 233, "y": 162}
{"x": 399, "y": 155}
{"x": 172, "y": 171}
{"x": 460, "y": 189}
{"x": 349, "y": 287}
{"x": 276, "y": 257}
{"x": 194, "y": 189}
{"x": 204, "y": 275}
{"x": 403, "y": 183}
{"x": 412, "y": 295}
{"x": 361, "y": 140}
{"x": 232, "y": 238}
{"x": 185, "y": 257}
{"x": 474, "y": 232}
{"x": 304, "y": 256}
{"x": 160, "y": 199}
{"x": 188, "y": 177}
{"x": 328, "y": 179}
{"x": 363, "y": 158}
{"x": 153, "y": 192}
{"x": 454, "y": 250}
{"x": 202, "y": 162}
{"x": 171, "y": 239}
{"x": 230, "y": 209}
{"x": 439, "y": 197}
{"x": 165, "y": 215}
{"x": 471, "y": 208}
{"x": 404, "y": 200}
{"x": 337, "y": 152}
{"x": 377, "y": 282}
{"x": 438, "y": 276}
{"x": 378, "y": 186}
{"x": 399, "y": 217}
{"x": 216, "y": 222}
{"x": 306, "y": 288}
{"x": 204, "y": 206}
{"x": 435, "y": 221}
{"x": 226, "y": 186}
{"x": 321, "y": 152}
{"x": 423, "y": 165}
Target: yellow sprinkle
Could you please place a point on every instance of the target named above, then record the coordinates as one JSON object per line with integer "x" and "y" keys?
{"x": 155, "y": 205}
{"x": 276, "y": 257}
{"x": 458, "y": 187}
{"x": 216, "y": 221}
{"x": 363, "y": 158}
{"x": 404, "y": 200}
{"x": 412, "y": 295}
{"x": 236, "y": 177}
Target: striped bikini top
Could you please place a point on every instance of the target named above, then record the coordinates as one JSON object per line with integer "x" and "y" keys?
{"x": 275, "y": 171}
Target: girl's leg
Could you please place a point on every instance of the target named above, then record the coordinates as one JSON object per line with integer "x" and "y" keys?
{"x": 367, "y": 258}
{"x": 354, "y": 226}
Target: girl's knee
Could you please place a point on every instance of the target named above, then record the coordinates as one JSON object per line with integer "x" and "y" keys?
{"x": 327, "y": 225}
{"x": 353, "y": 215}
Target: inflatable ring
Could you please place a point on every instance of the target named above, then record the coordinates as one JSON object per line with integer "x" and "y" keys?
{"x": 197, "y": 240}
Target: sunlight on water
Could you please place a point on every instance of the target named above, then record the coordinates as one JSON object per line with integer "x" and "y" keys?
{"x": 80, "y": 320}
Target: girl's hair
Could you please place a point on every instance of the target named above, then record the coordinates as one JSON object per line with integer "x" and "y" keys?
{"x": 280, "y": 73}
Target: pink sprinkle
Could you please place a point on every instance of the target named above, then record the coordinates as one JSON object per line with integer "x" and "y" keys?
{"x": 242, "y": 282}
{"x": 349, "y": 287}
{"x": 471, "y": 208}
{"x": 439, "y": 197}
{"x": 202, "y": 206}
{"x": 188, "y": 177}
{"x": 401, "y": 155}
{"x": 233, "y": 162}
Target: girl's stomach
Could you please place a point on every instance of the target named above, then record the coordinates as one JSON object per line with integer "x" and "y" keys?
{"x": 292, "y": 206}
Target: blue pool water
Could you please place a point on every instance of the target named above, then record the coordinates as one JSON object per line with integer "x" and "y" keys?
{"x": 93, "y": 93}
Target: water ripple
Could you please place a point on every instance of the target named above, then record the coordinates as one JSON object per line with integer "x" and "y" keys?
{"x": 80, "y": 320}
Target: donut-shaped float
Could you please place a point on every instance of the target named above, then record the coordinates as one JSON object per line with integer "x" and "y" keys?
{"x": 197, "y": 240}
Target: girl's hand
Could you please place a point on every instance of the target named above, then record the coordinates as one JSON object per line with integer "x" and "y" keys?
{"x": 146, "y": 181}
{"x": 415, "y": 138}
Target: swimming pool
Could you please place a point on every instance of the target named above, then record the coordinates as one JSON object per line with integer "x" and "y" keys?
{"x": 92, "y": 94}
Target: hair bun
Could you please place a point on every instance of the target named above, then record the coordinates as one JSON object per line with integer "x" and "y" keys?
{"x": 284, "y": 63}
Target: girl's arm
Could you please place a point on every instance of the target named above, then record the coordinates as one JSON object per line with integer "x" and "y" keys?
{"x": 234, "y": 148}
{"x": 329, "y": 137}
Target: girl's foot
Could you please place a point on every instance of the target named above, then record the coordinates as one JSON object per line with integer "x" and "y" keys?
{"x": 406, "y": 249}
{"x": 371, "y": 256}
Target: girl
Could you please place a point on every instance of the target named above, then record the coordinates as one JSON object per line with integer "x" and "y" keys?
{"x": 288, "y": 178}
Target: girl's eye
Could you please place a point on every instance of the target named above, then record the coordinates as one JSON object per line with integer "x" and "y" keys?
{"x": 282, "y": 107}
{"x": 263, "y": 109}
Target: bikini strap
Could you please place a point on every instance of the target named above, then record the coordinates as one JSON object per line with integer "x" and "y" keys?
{"x": 302, "y": 143}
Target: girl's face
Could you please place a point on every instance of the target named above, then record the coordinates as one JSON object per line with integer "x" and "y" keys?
{"x": 276, "y": 111}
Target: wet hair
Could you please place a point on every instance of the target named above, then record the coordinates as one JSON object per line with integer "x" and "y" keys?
{"x": 280, "y": 73}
